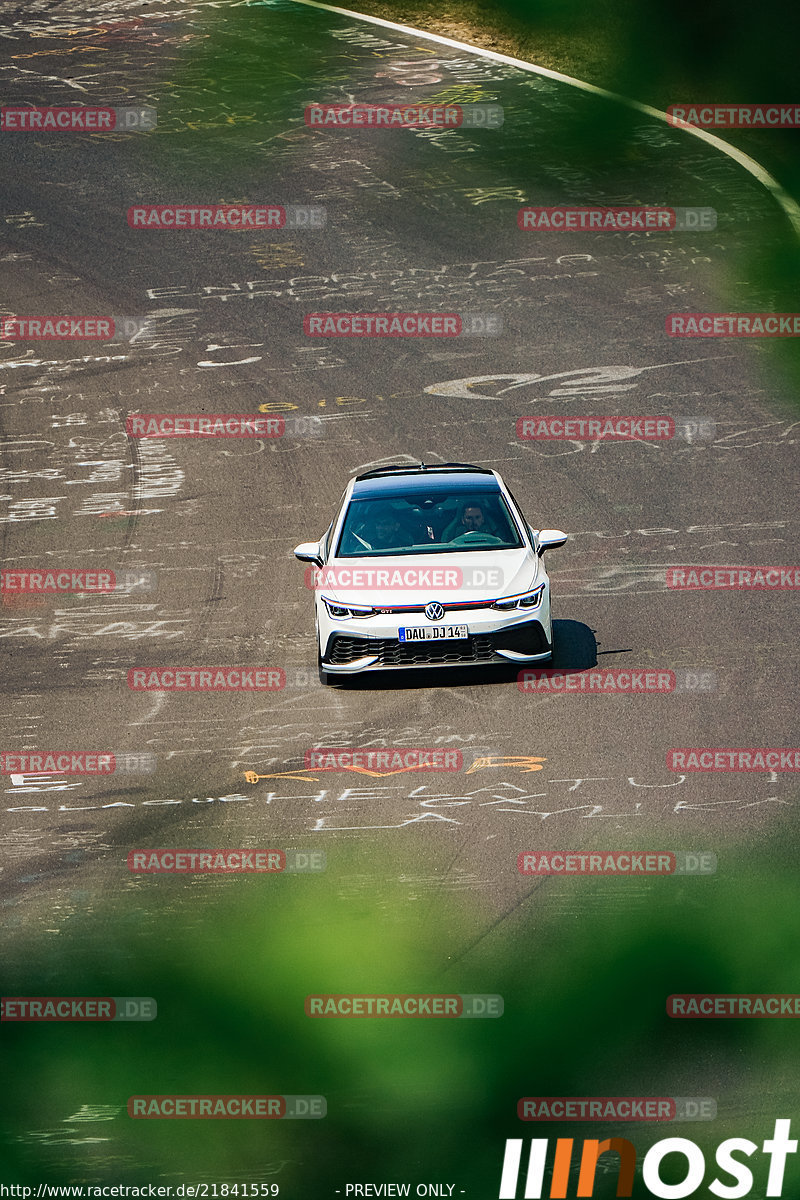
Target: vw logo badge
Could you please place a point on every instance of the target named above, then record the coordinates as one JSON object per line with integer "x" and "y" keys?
{"x": 434, "y": 611}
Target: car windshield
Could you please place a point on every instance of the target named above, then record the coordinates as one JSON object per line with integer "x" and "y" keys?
{"x": 427, "y": 523}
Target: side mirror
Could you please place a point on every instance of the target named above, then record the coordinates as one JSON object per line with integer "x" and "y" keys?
{"x": 551, "y": 539}
{"x": 308, "y": 552}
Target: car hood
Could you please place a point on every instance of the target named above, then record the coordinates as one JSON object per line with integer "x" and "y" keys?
{"x": 483, "y": 575}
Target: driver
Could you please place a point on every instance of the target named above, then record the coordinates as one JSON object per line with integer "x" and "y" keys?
{"x": 472, "y": 517}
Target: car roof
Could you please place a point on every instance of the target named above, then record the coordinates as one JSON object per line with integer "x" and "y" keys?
{"x": 450, "y": 477}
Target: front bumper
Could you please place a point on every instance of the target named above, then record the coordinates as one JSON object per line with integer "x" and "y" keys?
{"x": 352, "y": 651}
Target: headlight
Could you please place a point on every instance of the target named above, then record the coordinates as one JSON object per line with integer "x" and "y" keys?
{"x": 523, "y": 600}
{"x": 343, "y": 612}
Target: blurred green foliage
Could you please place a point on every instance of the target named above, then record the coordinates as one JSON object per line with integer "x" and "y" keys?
{"x": 230, "y": 962}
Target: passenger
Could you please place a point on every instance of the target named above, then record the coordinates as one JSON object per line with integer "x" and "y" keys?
{"x": 384, "y": 531}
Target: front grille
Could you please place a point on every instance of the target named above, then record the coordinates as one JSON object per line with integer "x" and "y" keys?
{"x": 525, "y": 639}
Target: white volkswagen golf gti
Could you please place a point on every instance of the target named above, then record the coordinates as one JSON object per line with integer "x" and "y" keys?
{"x": 429, "y": 566}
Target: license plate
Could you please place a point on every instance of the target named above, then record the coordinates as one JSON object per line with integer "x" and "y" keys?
{"x": 433, "y": 633}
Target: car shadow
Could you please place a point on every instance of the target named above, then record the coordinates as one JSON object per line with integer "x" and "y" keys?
{"x": 574, "y": 646}
{"x": 574, "y": 649}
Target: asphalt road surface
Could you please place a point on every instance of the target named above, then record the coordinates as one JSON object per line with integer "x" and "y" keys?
{"x": 414, "y": 220}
